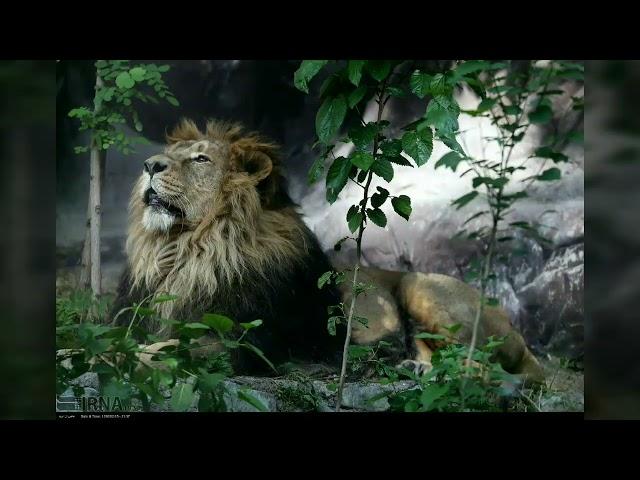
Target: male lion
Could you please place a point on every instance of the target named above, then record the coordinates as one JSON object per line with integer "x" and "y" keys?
{"x": 211, "y": 223}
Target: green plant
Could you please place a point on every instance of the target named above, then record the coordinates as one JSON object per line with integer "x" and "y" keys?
{"x": 301, "y": 394}
{"x": 119, "y": 84}
{"x": 344, "y": 94}
{"x": 172, "y": 372}
{"x": 514, "y": 96}
{"x": 452, "y": 386}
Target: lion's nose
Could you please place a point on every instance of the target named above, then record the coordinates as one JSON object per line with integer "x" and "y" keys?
{"x": 154, "y": 165}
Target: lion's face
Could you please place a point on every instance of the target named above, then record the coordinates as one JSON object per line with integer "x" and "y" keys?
{"x": 180, "y": 185}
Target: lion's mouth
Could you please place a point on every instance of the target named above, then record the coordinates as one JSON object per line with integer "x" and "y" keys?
{"x": 152, "y": 199}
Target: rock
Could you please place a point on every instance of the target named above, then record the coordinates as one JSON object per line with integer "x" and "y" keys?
{"x": 275, "y": 394}
{"x": 554, "y": 318}
{"x": 359, "y": 396}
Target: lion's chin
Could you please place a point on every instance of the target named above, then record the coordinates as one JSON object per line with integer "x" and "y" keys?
{"x": 157, "y": 219}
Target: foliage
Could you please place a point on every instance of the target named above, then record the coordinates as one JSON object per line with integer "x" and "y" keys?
{"x": 450, "y": 386}
{"x": 174, "y": 372}
{"x": 301, "y": 395}
{"x": 121, "y": 85}
{"x": 344, "y": 94}
{"x": 514, "y": 98}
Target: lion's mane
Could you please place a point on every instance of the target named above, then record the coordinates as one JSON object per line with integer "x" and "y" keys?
{"x": 252, "y": 257}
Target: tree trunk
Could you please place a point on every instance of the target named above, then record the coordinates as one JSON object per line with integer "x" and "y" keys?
{"x": 95, "y": 195}
{"x": 96, "y": 172}
{"x": 85, "y": 265}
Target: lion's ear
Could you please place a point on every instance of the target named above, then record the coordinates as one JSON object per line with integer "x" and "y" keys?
{"x": 260, "y": 160}
{"x": 257, "y": 164}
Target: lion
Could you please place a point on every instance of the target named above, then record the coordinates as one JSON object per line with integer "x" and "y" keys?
{"x": 210, "y": 223}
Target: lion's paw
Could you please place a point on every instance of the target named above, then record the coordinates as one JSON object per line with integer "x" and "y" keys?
{"x": 418, "y": 367}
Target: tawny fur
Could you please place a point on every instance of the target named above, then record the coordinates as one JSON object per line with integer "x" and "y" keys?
{"x": 237, "y": 233}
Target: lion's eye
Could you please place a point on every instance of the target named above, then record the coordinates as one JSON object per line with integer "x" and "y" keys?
{"x": 201, "y": 158}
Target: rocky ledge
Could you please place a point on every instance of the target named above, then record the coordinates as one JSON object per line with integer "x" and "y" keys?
{"x": 565, "y": 392}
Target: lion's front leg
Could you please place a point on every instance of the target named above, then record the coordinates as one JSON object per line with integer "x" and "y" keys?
{"x": 421, "y": 363}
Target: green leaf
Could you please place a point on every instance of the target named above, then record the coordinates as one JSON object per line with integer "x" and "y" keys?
{"x": 331, "y": 325}
{"x": 402, "y": 206}
{"x": 378, "y": 198}
{"x": 363, "y": 135}
{"x": 396, "y": 91}
{"x": 475, "y": 215}
{"x": 316, "y": 170}
{"x": 307, "y": 70}
{"x": 470, "y": 66}
{"x": 208, "y": 382}
{"x": 453, "y": 328}
{"x": 450, "y": 160}
{"x": 442, "y": 113}
{"x": 171, "y": 362}
{"x": 383, "y": 168}
{"x": 542, "y": 114}
{"x": 245, "y": 396}
{"x": 219, "y": 323}
{"x": 420, "y": 83}
{"x": 354, "y": 71}
{"x": 324, "y": 278}
{"x": 377, "y": 216}
{"x": 95, "y": 347}
{"x": 137, "y": 73}
{"x": 398, "y": 160}
{"x": 549, "y": 174}
{"x": 354, "y": 218}
{"x": 430, "y": 336}
{"x": 338, "y": 246}
{"x": 492, "y": 182}
{"x": 260, "y": 354}
{"x": 486, "y": 104}
{"x": 196, "y": 326}
{"x": 163, "y": 68}
{"x": 432, "y": 393}
{"x": 117, "y": 389}
{"x": 362, "y": 160}
{"x": 250, "y": 325}
{"x": 173, "y": 101}
{"x": 181, "y": 397}
{"x": 391, "y": 148}
{"x": 330, "y": 86}
{"x": 337, "y": 178}
{"x": 439, "y": 85}
{"x": 356, "y": 96}
{"x": 361, "y": 320}
{"x": 577, "y": 137}
{"x": 418, "y": 145}
{"x": 164, "y": 298}
{"x": 378, "y": 69}
{"x": 463, "y": 200}
{"x": 330, "y": 117}
{"x": 512, "y": 110}
{"x": 548, "y": 152}
{"x": 124, "y": 81}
